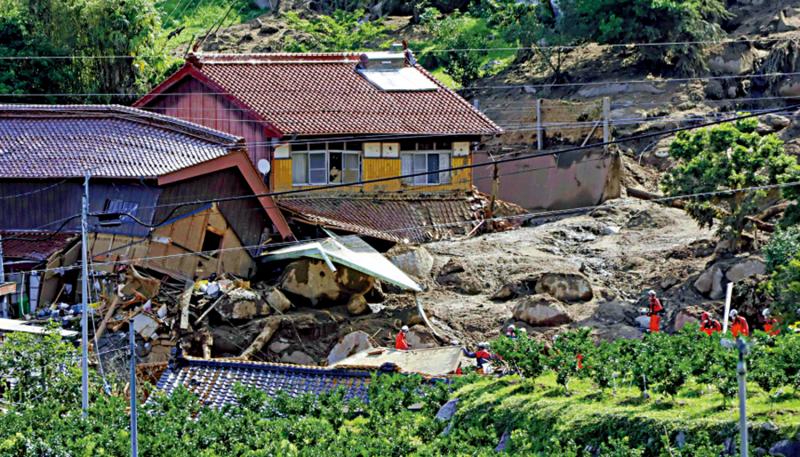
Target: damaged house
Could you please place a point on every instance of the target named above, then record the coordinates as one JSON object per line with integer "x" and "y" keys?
{"x": 336, "y": 118}
{"x": 143, "y": 167}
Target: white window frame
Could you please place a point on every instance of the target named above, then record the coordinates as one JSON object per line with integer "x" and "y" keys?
{"x": 351, "y": 151}
{"x": 444, "y": 177}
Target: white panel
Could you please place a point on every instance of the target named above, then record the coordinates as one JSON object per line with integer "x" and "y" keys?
{"x": 372, "y": 149}
{"x": 403, "y": 79}
{"x": 282, "y": 151}
{"x": 391, "y": 150}
{"x": 461, "y": 148}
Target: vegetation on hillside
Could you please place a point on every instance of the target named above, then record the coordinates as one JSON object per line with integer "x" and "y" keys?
{"x": 43, "y": 414}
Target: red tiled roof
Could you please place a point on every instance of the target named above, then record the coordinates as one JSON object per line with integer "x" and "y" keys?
{"x": 37, "y": 246}
{"x": 45, "y": 141}
{"x": 417, "y": 219}
{"x": 322, "y": 94}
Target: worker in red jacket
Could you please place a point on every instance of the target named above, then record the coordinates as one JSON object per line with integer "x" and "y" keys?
{"x": 400, "y": 341}
{"x": 708, "y": 324}
{"x": 655, "y": 311}
{"x": 482, "y": 356}
{"x": 771, "y": 325}
{"x": 738, "y": 324}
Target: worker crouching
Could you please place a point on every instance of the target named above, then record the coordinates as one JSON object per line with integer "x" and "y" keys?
{"x": 482, "y": 358}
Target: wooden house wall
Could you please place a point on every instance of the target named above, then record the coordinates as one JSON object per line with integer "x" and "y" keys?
{"x": 172, "y": 248}
{"x": 193, "y": 101}
{"x": 246, "y": 217}
{"x": 44, "y": 204}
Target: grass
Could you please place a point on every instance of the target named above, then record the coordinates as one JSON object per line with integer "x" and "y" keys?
{"x": 197, "y": 16}
{"x": 689, "y": 410}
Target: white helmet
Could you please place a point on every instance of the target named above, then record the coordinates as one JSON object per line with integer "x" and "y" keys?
{"x": 483, "y": 345}
{"x": 404, "y": 328}
{"x": 511, "y": 327}
{"x": 733, "y": 313}
{"x": 652, "y": 293}
{"x": 766, "y": 312}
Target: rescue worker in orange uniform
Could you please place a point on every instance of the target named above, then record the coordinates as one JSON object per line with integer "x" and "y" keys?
{"x": 771, "y": 325}
{"x": 482, "y": 356}
{"x": 738, "y": 324}
{"x": 400, "y": 341}
{"x": 709, "y": 325}
{"x": 655, "y": 311}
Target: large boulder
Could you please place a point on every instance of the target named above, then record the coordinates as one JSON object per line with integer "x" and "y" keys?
{"x": 357, "y": 305}
{"x": 350, "y": 344}
{"x": 745, "y": 269}
{"x": 313, "y": 280}
{"x": 415, "y": 261}
{"x": 541, "y": 311}
{"x": 298, "y": 358}
{"x": 420, "y": 337}
{"x": 568, "y": 287}
{"x": 684, "y": 317}
{"x": 709, "y": 282}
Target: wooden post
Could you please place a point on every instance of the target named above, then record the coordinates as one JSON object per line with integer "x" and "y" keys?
{"x": 539, "y": 130}
{"x": 606, "y": 122}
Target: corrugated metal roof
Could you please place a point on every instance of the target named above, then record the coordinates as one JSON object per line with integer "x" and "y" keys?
{"x": 44, "y": 141}
{"x": 323, "y": 94}
{"x": 213, "y": 380}
{"x": 36, "y": 246}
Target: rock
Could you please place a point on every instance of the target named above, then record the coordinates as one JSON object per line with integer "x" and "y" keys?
{"x": 505, "y": 441}
{"x": 279, "y": 346}
{"x": 415, "y": 261}
{"x": 313, "y": 280}
{"x": 714, "y": 89}
{"x": 350, "y": 344}
{"x": 776, "y": 121}
{"x": 619, "y": 331}
{"x": 709, "y": 283}
{"x": 298, "y": 358}
{"x": 568, "y": 287}
{"x": 448, "y": 410}
{"x": 255, "y": 24}
{"x": 684, "y": 318}
{"x": 541, "y": 311}
{"x": 420, "y": 337}
{"x": 451, "y": 267}
{"x": 278, "y": 301}
{"x": 515, "y": 289}
{"x": 246, "y": 309}
{"x": 764, "y": 129}
{"x": 643, "y": 321}
{"x": 357, "y": 305}
{"x": 745, "y": 269}
{"x": 785, "y": 448}
{"x": 790, "y": 88}
{"x": 612, "y": 311}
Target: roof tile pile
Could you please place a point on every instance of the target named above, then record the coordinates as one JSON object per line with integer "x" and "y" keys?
{"x": 414, "y": 218}
{"x": 38, "y": 141}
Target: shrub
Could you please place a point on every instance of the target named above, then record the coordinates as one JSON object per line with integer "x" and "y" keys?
{"x": 783, "y": 246}
{"x": 522, "y": 353}
{"x": 563, "y": 356}
{"x": 341, "y": 31}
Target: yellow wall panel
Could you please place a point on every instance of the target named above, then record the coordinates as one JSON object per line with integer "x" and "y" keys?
{"x": 374, "y": 168}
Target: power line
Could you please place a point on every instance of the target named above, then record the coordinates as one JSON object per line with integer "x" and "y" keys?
{"x": 470, "y": 88}
{"x": 528, "y": 215}
{"x": 742, "y": 40}
{"x": 464, "y": 167}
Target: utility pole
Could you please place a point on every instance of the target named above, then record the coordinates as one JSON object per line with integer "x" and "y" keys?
{"x": 85, "y": 297}
{"x": 134, "y": 412}
{"x": 606, "y": 122}
{"x": 741, "y": 373}
{"x": 539, "y": 129}
{"x": 3, "y": 299}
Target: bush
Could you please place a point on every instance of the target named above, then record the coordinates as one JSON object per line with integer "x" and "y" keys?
{"x": 523, "y": 353}
{"x": 563, "y": 356}
{"x": 783, "y": 246}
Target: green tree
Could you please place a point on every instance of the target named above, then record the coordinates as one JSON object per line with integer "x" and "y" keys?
{"x": 728, "y": 157}
{"x": 648, "y": 21}
{"x": 65, "y": 47}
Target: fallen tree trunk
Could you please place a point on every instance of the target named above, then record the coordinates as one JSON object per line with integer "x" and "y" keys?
{"x": 645, "y": 195}
{"x": 271, "y": 325}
